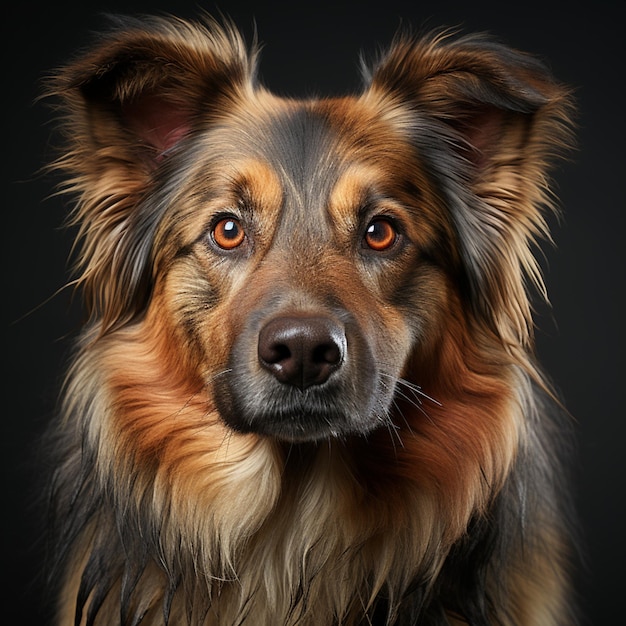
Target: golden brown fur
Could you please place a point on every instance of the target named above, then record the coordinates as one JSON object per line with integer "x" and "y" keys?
{"x": 428, "y": 492}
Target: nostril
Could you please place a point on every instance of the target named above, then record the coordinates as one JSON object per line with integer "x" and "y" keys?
{"x": 329, "y": 353}
{"x": 273, "y": 353}
{"x": 301, "y": 351}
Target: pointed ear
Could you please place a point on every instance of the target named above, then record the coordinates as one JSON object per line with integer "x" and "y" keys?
{"x": 486, "y": 120}
{"x": 129, "y": 103}
{"x": 148, "y": 81}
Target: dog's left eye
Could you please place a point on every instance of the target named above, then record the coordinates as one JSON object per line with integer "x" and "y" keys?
{"x": 228, "y": 233}
{"x": 380, "y": 235}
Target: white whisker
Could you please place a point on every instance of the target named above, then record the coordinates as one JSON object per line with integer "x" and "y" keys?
{"x": 413, "y": 395}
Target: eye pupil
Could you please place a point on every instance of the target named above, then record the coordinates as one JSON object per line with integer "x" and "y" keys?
{"x": 230, "y": 229}
{"x": 380, "y": 235}
{"x": 228, "y": 233}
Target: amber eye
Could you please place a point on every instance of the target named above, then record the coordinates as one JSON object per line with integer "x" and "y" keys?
{"x": 380, "y": 235}
{"x": 228, "y": 233}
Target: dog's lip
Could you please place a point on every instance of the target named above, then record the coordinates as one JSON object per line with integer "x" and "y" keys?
{"x": 300, "y": 421}
{"x": 301, "y": 428}
{"x": 304, "y": 421}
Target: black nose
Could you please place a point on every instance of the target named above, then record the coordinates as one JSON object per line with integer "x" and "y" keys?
{"x": 302, "y": 351}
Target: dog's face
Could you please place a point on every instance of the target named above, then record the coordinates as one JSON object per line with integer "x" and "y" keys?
{"x": 304, "y": 268}
{"x": 298, "y": 258}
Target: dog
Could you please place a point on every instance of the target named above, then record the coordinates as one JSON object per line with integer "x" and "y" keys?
{"x": 305, "y": 392}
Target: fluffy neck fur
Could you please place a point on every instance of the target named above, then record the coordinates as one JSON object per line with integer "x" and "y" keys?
{"x": 214, "y": 527}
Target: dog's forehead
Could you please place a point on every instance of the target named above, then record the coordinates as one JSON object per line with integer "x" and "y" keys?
{"x": 301, "y": 145}
{"x": 312, "y": 145}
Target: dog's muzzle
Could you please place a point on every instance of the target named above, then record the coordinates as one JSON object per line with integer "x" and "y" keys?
{"x": 302, "y": 376}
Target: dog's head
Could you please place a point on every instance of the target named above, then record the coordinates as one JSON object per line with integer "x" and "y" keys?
{"x": 309, "y": 262}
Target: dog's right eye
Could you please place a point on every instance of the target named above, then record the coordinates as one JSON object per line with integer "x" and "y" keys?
{"x": 228, "y": 233}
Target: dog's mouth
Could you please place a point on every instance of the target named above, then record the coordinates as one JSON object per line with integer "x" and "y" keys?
{"x": 312, "y": 377}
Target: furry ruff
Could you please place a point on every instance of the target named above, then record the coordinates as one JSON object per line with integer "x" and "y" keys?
{"x": 305, "y": 392}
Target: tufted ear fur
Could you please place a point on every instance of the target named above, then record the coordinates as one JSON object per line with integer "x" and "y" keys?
{"x": 129, "y": 104}
{"x": 486, "y": 120}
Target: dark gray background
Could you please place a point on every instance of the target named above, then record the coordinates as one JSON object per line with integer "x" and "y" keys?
{"x": 313, "y": 48}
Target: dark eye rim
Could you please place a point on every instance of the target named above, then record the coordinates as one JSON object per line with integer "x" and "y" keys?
{"x": 388, "y": 248}
{"x": 219, "y": 219}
